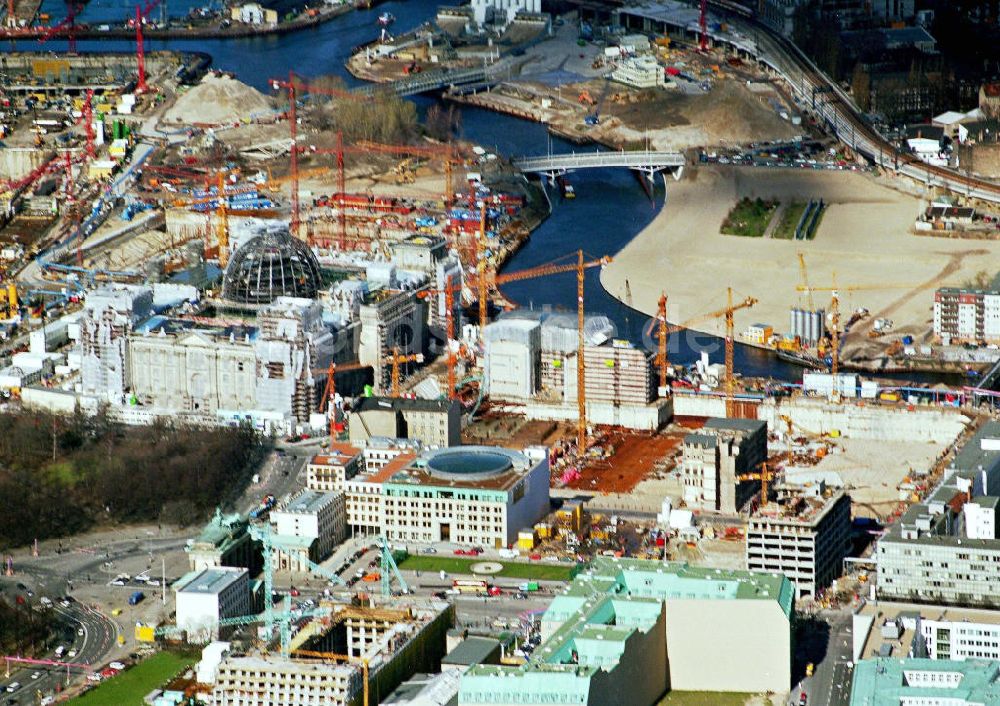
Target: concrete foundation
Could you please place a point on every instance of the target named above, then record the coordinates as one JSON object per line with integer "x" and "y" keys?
{"x": 699, "y": 405}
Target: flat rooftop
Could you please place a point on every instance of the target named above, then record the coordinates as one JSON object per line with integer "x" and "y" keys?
{"x": 308, "y": 502}
{"x": 401, "y": 404}
{"x": 641, "y": 578}
{"x": 209, "y": 581}
{"x": 800, "y": 509}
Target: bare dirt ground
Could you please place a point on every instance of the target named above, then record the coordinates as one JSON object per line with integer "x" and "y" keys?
{"x": 864, "y": 238}
{"x": 218, "y": 99}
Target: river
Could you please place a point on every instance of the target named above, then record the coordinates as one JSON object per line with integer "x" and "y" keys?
{"x": 610, "y": 209}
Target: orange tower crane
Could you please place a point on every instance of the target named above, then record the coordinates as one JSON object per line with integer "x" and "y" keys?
{"x": 662, "y": 334}
{"x": 328, "y": 400}
{"x": 726, "y": 313}
{"x": 396, "y": 359}
{"x": 765, "y": 475}
{"x": 449, "y": 302}
{"x": 294, "y": 87}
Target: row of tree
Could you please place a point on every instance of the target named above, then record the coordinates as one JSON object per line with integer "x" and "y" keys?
{"x": 60, "y": 475}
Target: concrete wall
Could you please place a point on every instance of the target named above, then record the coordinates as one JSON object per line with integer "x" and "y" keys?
{"x": 871, "y": 421}
{"x": 755, "y": 657}
{"x": 699, "y": 405}
{"x": 646, "y": 417}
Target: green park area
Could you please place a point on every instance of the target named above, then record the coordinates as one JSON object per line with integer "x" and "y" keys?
{"x": 749, "y": 218}
{"x": 539, "y": 571}
{"x": 131, "y": 686}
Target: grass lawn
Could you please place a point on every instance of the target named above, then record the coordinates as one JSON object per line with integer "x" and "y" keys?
{"x": 789, "y": 219}
{"x": 704, "y": 698}
{"x": 129, "y": 687}
{"x": 749, "y": 218}
{"x": 542, "y": 571}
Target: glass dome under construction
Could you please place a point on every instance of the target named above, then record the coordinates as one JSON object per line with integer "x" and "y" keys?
{"x": 269, "y": 266}
{"x": 467, "y": 461}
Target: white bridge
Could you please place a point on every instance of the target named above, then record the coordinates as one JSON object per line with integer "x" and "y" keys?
{"x": 647, "y": 161}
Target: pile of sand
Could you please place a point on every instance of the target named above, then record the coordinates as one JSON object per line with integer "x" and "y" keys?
{"x": 218, "y": 100}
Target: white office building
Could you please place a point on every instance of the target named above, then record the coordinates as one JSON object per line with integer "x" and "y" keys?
{"x": 205, "y": 597}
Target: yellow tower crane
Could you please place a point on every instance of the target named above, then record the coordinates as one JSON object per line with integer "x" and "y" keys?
{"x": 835, "y": 310}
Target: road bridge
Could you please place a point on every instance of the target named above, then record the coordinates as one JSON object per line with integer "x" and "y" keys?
{"x": 440, "y": 79}
{"x": 647, "y": 161}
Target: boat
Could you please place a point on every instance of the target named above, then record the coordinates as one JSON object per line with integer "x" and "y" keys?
{"x": 386, "y": 19}
{"x": 803, "y": 359}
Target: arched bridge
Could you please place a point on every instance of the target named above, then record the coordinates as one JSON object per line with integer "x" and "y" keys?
{"x": 647, "y": 161}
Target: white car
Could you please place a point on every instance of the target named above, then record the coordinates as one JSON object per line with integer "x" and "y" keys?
{"x": 36, "y": 675}
{"x": 13, "y": 686}
{"x": 94, "y": 677}
{"x": 116, "y": 666}
{"x": 71, "y": 654}
{"x": 79, "y": 631}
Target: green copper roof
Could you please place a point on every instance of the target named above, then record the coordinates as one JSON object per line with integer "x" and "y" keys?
{"x": 674, "y": 580}
{"x": 889, "y": 682}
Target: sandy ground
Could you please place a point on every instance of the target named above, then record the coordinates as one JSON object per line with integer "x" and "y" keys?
{"x": 872, "y": 470}
{"x": 863, "y": 238}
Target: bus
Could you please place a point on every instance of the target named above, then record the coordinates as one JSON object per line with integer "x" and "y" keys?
{"x": 475, "y": 586}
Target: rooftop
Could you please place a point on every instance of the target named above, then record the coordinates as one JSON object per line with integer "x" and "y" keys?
{"x": 885, "y": 682}
{"x": 670, "y": 580}
{"x": 401, "y": 404}
{"x": 209, "y": 581}
{"x": 473, "y": 467}
{"x": 800, "y": 509}
{"x": 739, "y": 425}
{"x": 472, "y": 650}
{"x": 308, "y": 502}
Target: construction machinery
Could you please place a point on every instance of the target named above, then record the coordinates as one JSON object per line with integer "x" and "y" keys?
{"x": 664, "y": 330}
{"x": 661, "y": 338}
{"x": 388, "y": 569}
{"x": 294, "y": 88}
{"x": 835, "y": 292}
{"x": 140, "y": 50}
{"x": 765, "y": 475}
{"x": 397, "y": 359}
{"x": 803, "y": 274}
{"x": 443, "y": 153}
{"x": 328, "y": 402}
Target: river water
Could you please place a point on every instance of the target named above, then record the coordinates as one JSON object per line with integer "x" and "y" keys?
{"x": 611, "y": 205}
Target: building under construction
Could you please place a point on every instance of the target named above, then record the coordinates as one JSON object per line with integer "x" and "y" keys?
{"x": 353, "y": 657}
{"x": 531, "y": 359}
{"x": 805, "y": 535}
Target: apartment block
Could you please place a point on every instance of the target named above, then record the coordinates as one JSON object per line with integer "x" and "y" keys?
{"x": 805, "y": 535}
{"x": 967, "y": 315}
